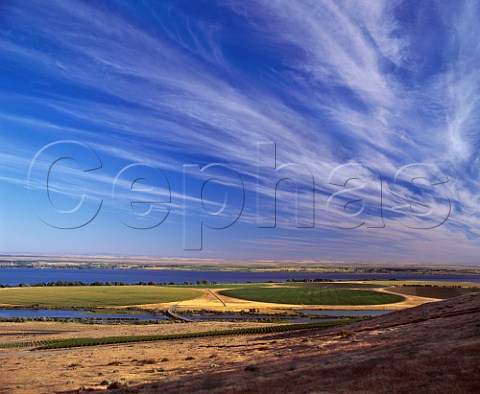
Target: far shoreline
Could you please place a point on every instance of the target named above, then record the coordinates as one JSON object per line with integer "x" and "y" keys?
{"x": 207, "y": 265}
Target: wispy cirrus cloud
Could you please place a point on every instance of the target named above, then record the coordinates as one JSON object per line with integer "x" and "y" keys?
{"x": 330, "y": 82}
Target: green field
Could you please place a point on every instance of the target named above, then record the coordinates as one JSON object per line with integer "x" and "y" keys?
{"x": 93, "y": 296}
{"x": 341, "y": 285}
{"x": 433, "y": 292}
{"x": 387, "y": 283}
{"x": 313, "y": 296}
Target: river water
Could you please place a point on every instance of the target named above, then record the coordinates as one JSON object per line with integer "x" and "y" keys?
{"x": 132, "y": 317}
{"x": 76, "y": 314}
{"x": 15, "y": 276}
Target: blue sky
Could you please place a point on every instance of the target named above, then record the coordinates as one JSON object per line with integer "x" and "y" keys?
{"x": 325, "y": 130}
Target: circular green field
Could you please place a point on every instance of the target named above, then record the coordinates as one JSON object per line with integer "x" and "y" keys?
{"x": 93, "y": 296}
{"x": 313, "y": 296}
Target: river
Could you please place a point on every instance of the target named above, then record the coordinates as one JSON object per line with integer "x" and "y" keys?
{"x": 15, "y": 276}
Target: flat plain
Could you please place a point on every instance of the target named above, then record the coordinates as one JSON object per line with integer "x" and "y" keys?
{"x": 264, "y": 297}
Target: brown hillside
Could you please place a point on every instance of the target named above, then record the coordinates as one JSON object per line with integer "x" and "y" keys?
{"x": 433, "y": 348}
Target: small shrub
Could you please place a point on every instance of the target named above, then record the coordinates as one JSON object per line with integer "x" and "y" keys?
{"x": 252, "y": 368}
{"x": 210, "y": 383}
{"x": 147, "y": 361}
{"x": 117, "y": 385}
{"x": 189, "y": 358}
{"x": 346, "y": 334}
{"x": 84, "y": 389}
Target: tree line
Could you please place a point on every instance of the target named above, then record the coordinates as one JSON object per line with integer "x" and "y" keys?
{"x": 63, "y": 283}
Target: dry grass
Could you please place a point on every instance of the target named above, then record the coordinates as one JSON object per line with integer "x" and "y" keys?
{"x": 433, "y": 348}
